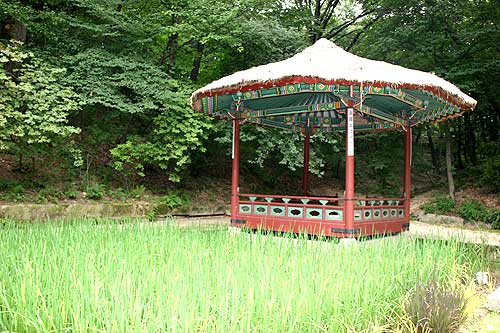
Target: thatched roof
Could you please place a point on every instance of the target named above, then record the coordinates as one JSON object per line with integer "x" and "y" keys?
{"x": 325, "y": 62}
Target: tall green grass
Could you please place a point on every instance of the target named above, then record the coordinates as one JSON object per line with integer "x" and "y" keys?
{"x": 76, "y": 277}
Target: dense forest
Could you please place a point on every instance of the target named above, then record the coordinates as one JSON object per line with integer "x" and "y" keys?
{"x": 94, "y": 94}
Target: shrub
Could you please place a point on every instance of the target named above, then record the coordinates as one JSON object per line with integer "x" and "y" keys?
{"x": 490, "y": 164}
{"x": 439, "y": 204}
{"x": 96, "y": 191}
{"x": 119, "y": 193}
{"x": 14, "y": 193}
{"x": 71, "y": 194}
{"x": 47, "y": 194}
{"x": 493, "y": 217}
{"x": 171, "y": 200}
{"x": 138, "y": 192}
{"x": 473, "y": 210}
{"x": 7, "y": 184}
{"x": 434, "y": 308}
{"x": 151, "y": 215}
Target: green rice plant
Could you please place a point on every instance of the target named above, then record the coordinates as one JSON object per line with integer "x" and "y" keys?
{"x": 127, "y": 276}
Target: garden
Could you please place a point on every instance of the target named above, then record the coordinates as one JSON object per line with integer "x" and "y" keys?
{"x": 103, "y": 154}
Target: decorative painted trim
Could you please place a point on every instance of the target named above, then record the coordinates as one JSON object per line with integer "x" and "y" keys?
{"x": 433, "y": 91}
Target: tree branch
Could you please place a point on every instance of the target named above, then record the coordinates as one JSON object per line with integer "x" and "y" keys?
{"x": 336, "y": 30}
{"x": 356, "y": 38}
{"x": 327, "y": 15}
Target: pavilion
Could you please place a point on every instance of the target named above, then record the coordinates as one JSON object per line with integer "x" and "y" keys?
{"x": 325, "y": 88}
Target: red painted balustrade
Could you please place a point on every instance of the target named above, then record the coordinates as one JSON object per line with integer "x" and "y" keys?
{"x": 319, "y": 215}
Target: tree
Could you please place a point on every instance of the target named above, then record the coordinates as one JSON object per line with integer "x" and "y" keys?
{"x": 458, "y": 40}
{"x": 34, "y": 106}
{"x": 175, "y": 133}
{"x": 341, "y": 21}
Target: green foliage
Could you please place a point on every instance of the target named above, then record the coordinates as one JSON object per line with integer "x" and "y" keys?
{"x": 121, "y": 73}
{"x": 379, "y": 163}
{"x": 436, "y": 308}
{"x": 11, "y": 191}
{"x": 132, "y": 86}
{"x": 490, "y": 165}
{"x": 439, "y": 204}
{"x": 177, "y": 132}
{"x": 6, "y": 184}
{"x": 48, "y": 194}
{"x": 151, "y": 215}
{"x": 267, "y": 146}
{"x": 96, "y": 191}
{"x": 473, "y": 210}
{"x": 167, "y": 202}
{"x": 493, "y": 217}
{"x": 138, "y": 192}
{"x": 34, "y": 106}
{"x": 71, "y": 194}
{"x": 118, "y": 193}
{"x": 172, "y": 200}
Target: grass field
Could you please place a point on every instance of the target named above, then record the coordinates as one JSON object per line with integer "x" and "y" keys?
{"x": 77, "y": 277}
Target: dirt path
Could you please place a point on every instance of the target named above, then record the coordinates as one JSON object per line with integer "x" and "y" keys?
{"x": 418, "y": 200}
{"x": 422, "y": 229}
{"x": 419, "y": 229}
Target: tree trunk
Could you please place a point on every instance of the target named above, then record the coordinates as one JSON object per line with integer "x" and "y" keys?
{"x": 451, "y": 182}
{"x": 418, "y": 135}
{"x": 195, "y": 71}
{"x": 314, "y": 29}
{"x": 172, "y": 45}
{"x": 20, "y": 161}
{"x": 432, "y": 148}
{"x": 471, "y": 139}
{"x": 493, "y": 125}
{"x": 458, "y": 137}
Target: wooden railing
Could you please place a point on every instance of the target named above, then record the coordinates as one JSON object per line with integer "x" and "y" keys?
{"x": 319, "y": 208}
{"x": 369, "y": 209}
{"x": 296, "y": 207}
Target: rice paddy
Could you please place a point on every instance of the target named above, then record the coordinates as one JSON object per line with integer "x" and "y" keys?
{"x": 78, "y": 277}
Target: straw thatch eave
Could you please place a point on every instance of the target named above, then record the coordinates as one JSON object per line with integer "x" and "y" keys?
{"x": 329, "y": 64}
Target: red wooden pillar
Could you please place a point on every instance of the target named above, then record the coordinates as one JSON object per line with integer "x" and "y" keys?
{"x": 407, "y": 173}
{"x": 349, "y": 170}
{"x": 305, "y": 178}
{"x": 236, "y": 169}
